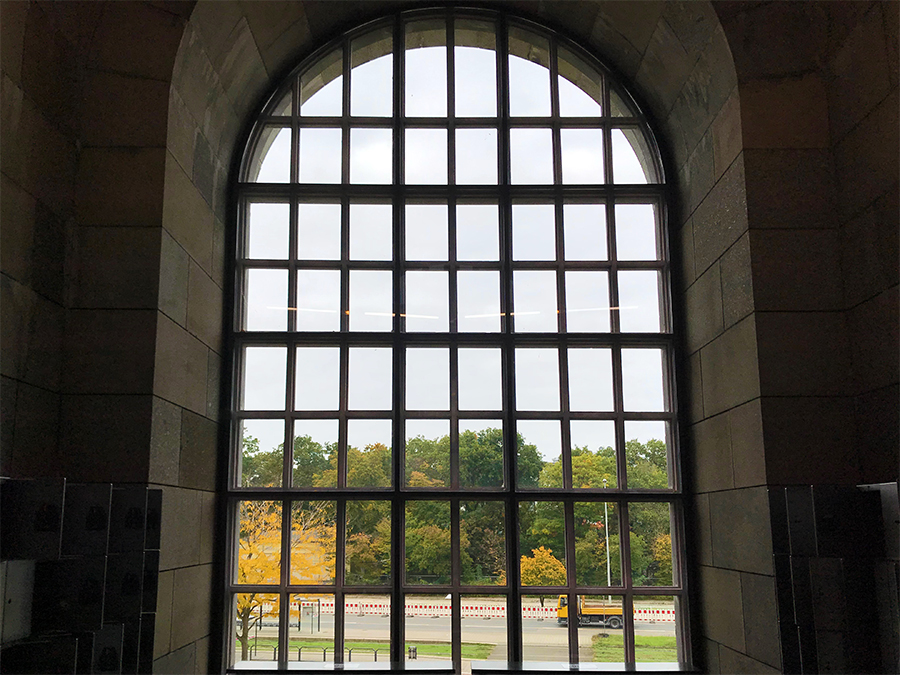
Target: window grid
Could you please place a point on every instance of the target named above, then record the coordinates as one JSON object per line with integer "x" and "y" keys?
{"x": 508, "y": 340}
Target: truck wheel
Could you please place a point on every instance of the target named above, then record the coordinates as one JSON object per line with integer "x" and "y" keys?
{"x": 562, "y": 622}
{"x": 614, "y": 622}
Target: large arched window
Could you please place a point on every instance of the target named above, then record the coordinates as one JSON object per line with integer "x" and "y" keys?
{"x": 454, "y": 425}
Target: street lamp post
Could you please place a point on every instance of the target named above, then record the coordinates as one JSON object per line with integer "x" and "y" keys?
{"x": 606, "y": 532}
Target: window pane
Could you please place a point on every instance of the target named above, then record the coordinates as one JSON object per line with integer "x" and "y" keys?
{"x": 639, "y": 301}
{"x": 371, "y": 153}
{"x": 367, "y": 628}
{"x": 541, "y": 642}
{"x": 427, "y": 542}
{"x": 320, "y": 155}
{"x": 534, "y": 300}
{"x": 482, "y": 527}
{"x": 656, "y": 623}
{"x": 426, "y": 231}
{"x": 636, "y": 232}
{"x": 428, "y": 379}
{"x": 271, "y": 162}
{"x": 319, "y": 232}
{"x": 426, "y": 156}
{"x": 483, "y": 629}
{"x": 318, "y": 378}
{"x": 312, "y": 615}
{"x": 321, "y": 88}
{"x": 580, "y": 87}
{"x": 587, "y": 302}
{"x": 476, "y": 156}
{"x": 427, "y": 301}
{"x": 265, "y": 378}
{"x": 646, "y": 454}
{"x": 642, "y": 380}
{"x": 370, "y": 378}
{"x": 651, "y": 543}
{"x": 369, "y": 455}
{"x": 590, "y": 380}
{"x": 480, "y": 379}
{"x": 542, "y": 544}
{"x": 631, "y": 157}
{"x": 267, "y": 231}
{"x": 481, "y": 453}
{"x": 582, "y": 156}
{"x": 371, "y": 232}
{"x": 529, "y": 75}
{"x": 593, "y": 444}
{"x": 259, "y": 543}
{"x": 426, "y": 69}
{"x": 256, "y": 630}
{"x": 368, "y": 544}
{"x": 428, "y": 453}
{"x": 262, "y": 459}
{"x": 371, "y": 304}
{"x": 265, "y": 300}
{"x": 601, "y": 611}
{"x": 539, "y": 449}
{"x": 534, "y": 232}
{"x": 531, "y": 156}
{"x": 312, "y": 542}
{"x": 477, "y": 232}
{"x": 318, "y": 300}
{"x": 585, "y": 231}
{"x": 537, "y": 379}
{"x": 427, "y": 628}
{"x": 596, "y": 533}
{"x": 478, "y": 297}
{"x": 475, "y": 63}
{"x": 315, "y": 446}
{"x": 372, "y": 74}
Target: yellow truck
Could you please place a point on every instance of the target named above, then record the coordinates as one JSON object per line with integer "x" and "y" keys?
{"x": 589, "y": 612}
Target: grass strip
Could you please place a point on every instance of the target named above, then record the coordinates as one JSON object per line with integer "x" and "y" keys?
{"x": 647, "y": 648}
{"x": 470, "y": 650}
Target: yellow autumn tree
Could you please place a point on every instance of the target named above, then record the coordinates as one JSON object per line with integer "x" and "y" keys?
{"x": 542, "y": 568}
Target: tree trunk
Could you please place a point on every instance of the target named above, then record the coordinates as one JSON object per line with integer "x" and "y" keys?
{"x": 244, "y": 636}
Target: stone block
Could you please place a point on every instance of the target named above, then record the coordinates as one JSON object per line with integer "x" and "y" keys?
{"x": 786, "y": 112}
{"x": 109, "y": 351}
{"x": 827, "y": 584}
{"x": 17, "y": 211}
{"x": 731, "y": 374}
{"x": 614, "y": 46}
{"x": 869, "y": 243}
{"x": 48, "y": 259}
{"x": 35, "y": 451}
{"x": 711, "y": 447}
{"x": 721, "y": 606}
{"x": 241, "y": 70}
{"x": 181, "y": 367}
{"x": 709, "y": 653}
{"x": 223, "y": 126}
{"x": 683, "y": 252}
{"x": 32, "y": 334}
{"x": 891, "y": 13}
{"x": 220, "y": 235}
{"x": 761, "y": 618}
{"x": 13, "y": 16}
{"x": 204, "y": 308}
{"x": 179, "y": 538}
{"x": 213, "y": 385}
{"x": 199, "y": 444}
{"x": 191, "y": 604}
{"x": 164, "y": 599}
{"x": 214, "y": 23}
{"x": 209, "y": 532}
{"x": 181, "y": 130}
{"x": 693, "y": 24}
{"x": 173, "y": 279}
{"x": 284, "y": 48}
{"x": 178, "y": 662}
{"x": 737, "y": 282}
{"x": 137, "y": 39}
{"x": 878, "y": 434}
{"x": 694, "y": 375}
{"x": 703, "y": 309}
{"x": 741, "y": 535}
{"x": 726, "y": 134}
{"x": 124, "y": 111}
{"x": 193, "y": 76}
{"x": 165, "y": 442}
{"x": 635, "y": 21}
{"x": 737, "y": 663}
{"x": 8, "y": 392}
{"x": 721, "y": 218}
{"x": 664, "y": 68}
{"x": 747, "y": 446}
{"x": 186, "y": 215}
{"x": 699, "y": 174}
{"x": 203, "y": 168}
{"x": 121, "y": 186}
{"x": 874, "y": 339}
{"x": 117, "y": 267}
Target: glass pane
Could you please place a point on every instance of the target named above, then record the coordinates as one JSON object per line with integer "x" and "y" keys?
{"x": 428, "y": 453}
{"x": 259, "y": 543}
{"x": 636, "y": 232}
{"x": 483, "y": 629}
{"x": 475, "y": 63}
{"x": 311, "y": 628}
{"x": 642, "y": 380}
{"x": 593, "y": 444}
{"x": 321, "y": 87}
{"x": 368, "y": 550}
{"x": 656, "y": 623}
{"x": 427, "y": 542}
{"x": 262, "y": 459}
{"x": 369, "y": 456}
{"x": 590, "y": 380}
{"x": 477, "y": 232}
{"x": 476, "y": 156}
{"x": 539, "y": 448}
{"x": 534, "y": 300}
{"x": 319, "y": 300}
{"x": 537, "y": 379}
{"x": 529, "y": 75}
{"x": 318, "y": 378}
{"x": 371, "y": 232}
{"x": 371, "y": 153}
{"x": 632, "y": 161}
{"x": 265, "y": 378}
{"x": 639, "y": 301}
{"x": 319, "y": 232}
{"x": 534, "y": 232}
{"x": 582, "y": 156}
{"x": 618, "y": 105}
{"x": 367, "y": 628}
{"x": 597, "y": 612}
{"x": 478, "y": 297}
{"x": 480, "y": 379}
{"x": 585, "y": 231}
{"x": 427, "y": 301}
{"x": 596, "y": 533}
{"x": 256, "y": 630}
{"x": 580, "y": 87}
{"x": 372, "y": 74}
{"x": 531, "y": 156}
{"x": 587, "y": 302}
{"x": 427, "y": 628}
{"x": 426, "y": 69}
{"x": 267, "y": 231}
{"x": 426, "y": 156}
{"x": 271, "y": 162}
{"x": 542, "y": 544}
{"x": 428, "y": 379}
{"x": 265, "y": 300}
{"x": 651, "y": 544}
{"x": 646, "y": 454}
{"x": 312, "y": 542}
{"x": 482, "y": 528}
{"x": 371, "y": 301}
{"x": 320, "y": 155}
{"x": 542, "y": 641}
{"x": 314, "y": 461}
{"x": 481, "y": 453}
{"x": 426, "y": 231}
{"x": 370, "y": 378}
